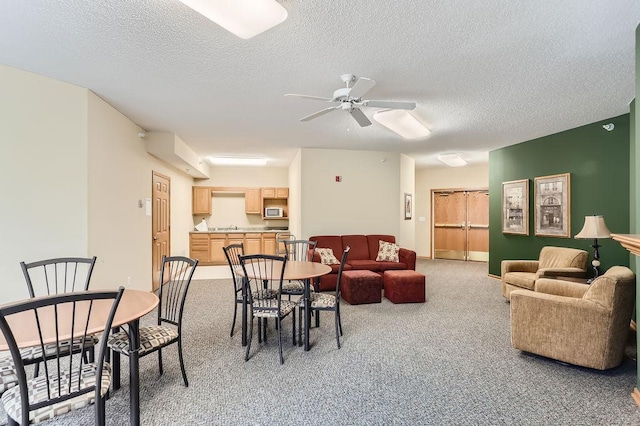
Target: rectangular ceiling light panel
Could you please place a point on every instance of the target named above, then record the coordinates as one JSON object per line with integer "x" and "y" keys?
{"x": 244, "y": 18}
{"x": 402, "y": 122}
{"x": 452, "y": 160}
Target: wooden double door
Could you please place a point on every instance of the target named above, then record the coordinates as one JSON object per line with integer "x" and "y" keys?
{"x": 460, "y": 224}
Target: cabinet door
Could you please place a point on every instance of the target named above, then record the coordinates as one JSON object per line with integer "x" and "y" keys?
{"x": 199, "y": 247}
{"x": 268, "y": 193}
{"x": 218, "y": 241}
{"x": 269, "y": 243}
{"x": 282, "y": 192}
{"x": 201, "y": 200}
{"x": 235, "y": 239}
{"x": 252, "y": 243}
{"x": 252, "y": 201}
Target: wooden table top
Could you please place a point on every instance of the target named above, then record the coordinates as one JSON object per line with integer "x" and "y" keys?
{"x": 133, "y": 305}
{"x": 297, "y": 270}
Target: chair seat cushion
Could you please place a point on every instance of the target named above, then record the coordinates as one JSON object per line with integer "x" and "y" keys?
{"x": 323, "y": 300}
{"x": 151, "y": 338}
{"x": 37, "y": 389}
{"x": 292, "y": 287}
{"x": 526, "y": 280}
{"x": 268, "y": 308}
{"x": 34, "y": 353}
{"x": 8, "y": 377}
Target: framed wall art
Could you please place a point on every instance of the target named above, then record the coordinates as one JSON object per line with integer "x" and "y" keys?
{"x": 553, "y": 206}
{"x": 515, "y": 207}
{"x": 408, "y": 206}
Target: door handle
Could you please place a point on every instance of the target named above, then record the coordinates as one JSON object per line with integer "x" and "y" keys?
{"x": 155, "y": 238}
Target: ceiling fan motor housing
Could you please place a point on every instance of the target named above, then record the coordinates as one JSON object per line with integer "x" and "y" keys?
{"x": 341, "y": 94}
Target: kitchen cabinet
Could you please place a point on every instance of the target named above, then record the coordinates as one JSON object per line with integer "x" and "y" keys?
{"x": 234, "y": 239}
{"x": 275, "y": 197}
{"x": 199, "y": 247}
{"x": 252, "y": 201}
{"x": 252, "y": 243}
{"x": 269, "y": 243}
{"x": 201, "y": 200}
{"x": 282, "y": 192}
{"x": 277, "y": 193}
{"x": 207, "y": 247}
{"x": 216, "y": 253}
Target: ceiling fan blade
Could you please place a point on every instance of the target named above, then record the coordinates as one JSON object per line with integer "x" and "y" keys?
{"x": 389, "y": 104}
{"x": 317, "y": 98}
{"x": 319, "y": 113}
{"x": 359, "y": 116}
{"x": 362, "y": 86}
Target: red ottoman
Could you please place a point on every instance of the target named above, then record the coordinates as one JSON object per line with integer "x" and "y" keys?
{"x": 359, "y": 287}
{"x": 404, "y": 286}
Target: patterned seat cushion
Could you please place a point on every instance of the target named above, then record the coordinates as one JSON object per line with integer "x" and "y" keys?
{"x": 323, "y": 300}
{"x": 150, "y": 338}
{"x": 34, "y": 353}
{"x": 294, "y": 287}
{"x": 37, "y": 388}
{"x": 268, "y": 308}
{"x": 8, "y": 377}
{"x": 265, "y": 294}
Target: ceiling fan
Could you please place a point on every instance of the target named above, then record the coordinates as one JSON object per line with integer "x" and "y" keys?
{"x": 350, "y": 99}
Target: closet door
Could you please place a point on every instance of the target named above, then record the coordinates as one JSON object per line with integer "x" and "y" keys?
{"x": 449, "y": 218}
{"x": 478, "y": 225}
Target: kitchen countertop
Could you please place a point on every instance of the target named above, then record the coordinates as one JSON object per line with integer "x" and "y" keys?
{"x": 240, "y": 231}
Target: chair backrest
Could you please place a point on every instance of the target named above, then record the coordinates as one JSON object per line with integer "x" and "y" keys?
{"x": 562, "y": 257}
{"x": 263, "y": 274}
{"x": 57, "y": 319}
{"x": 175, "y": 276}
{"x": 55, "y": 276}
{"x": 233, "y": 253}
{"x": 281, "y": 237}
{"x": 345, "y": 254}
{"x": 300, "y": 249}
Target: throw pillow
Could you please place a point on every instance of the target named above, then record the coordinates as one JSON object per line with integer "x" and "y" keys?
{"x": 327, "y": 257}
{"x": 388, "y": 252}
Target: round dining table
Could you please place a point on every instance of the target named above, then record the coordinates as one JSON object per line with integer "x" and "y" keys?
{"x": 293, "y": 270}
{"x": 133, "y": 305}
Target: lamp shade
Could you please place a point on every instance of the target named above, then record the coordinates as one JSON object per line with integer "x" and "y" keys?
{"x": 594, "y": 227}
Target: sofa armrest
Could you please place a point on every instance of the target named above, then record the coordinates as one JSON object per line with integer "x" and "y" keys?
{"x": 561, "y": 288}
{"x": 316, "y": 258}
{"x": 561, "y": 272}
{"x": 408, "y": 257}
{"x": 518, "y": 266}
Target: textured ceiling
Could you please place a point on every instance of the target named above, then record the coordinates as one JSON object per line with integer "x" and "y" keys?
{"x": 483, "y": 74}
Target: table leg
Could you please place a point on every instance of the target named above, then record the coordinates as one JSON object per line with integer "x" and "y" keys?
{"x": 134, "y": 373}
{"x": 307, "y": 312}
{"x": 244, "y": 313}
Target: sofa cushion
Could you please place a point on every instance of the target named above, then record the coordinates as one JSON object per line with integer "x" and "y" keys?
{"x": 374, "y": 243}
{"x": 327, "y": 257}
{"x": 388, "y": 252}
{"x": 521, "y": 279}
{"x": 388, "y": 266}
{"x": 359, "y": 247}
{"x": 364, "y": 264}
{"x": 334, "y": 242}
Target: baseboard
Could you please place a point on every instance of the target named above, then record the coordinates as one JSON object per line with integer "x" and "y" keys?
{"x": 497, "y": 277}
{"x": 423, "y": 257}
{"x": 636, "y": 396}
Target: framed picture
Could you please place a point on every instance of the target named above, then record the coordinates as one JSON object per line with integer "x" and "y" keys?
{"x": 553, "y": 206}
{"x": 515, "y": 207}
{"x": 408, "y": 206}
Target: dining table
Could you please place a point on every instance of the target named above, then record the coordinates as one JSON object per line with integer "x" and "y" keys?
{"x": 303, "y": 271}
{"x": 133, "y": 305}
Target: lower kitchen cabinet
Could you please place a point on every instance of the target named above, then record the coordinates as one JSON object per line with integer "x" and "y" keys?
{"x": 252, "y": 243}
{"x": 199, "y": 247}
{"x": 269, "y": 243}
{"x": 207, "y": 247}
{"x": 216, "y": 256}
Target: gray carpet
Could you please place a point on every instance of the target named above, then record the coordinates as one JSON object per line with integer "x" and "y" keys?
{"x": 447, "y": 361}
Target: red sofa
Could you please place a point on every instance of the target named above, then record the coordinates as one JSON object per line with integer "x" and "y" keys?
{"x": 363, "y": 253}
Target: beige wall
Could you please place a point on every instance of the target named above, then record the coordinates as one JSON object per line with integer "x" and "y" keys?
{"x": 468, "y": 177}
{"x": 229, "y": 209}
{"x": 43, "y": 174}
{"x": 120, "y": 176}
{"x": 365, "y": 202}
{"x": 407, "y": 234}
{"x": 295, "y": 195}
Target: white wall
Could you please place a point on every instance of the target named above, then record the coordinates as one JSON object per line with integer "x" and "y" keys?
{"x": 43, "y": 174}
{"x": 468, "y": 177}
{"x": 407, "y": 236}
{"x": 365, "y": 202}
{"x": 120, "y": 175}
{"x": 295, "y": 195}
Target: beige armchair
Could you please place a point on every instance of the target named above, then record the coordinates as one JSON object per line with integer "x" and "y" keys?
{"x": 580, "y": 324}
{"x": 553, "y": 262}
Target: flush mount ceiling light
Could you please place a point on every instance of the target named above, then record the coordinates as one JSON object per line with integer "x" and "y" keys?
{"x": 246, "y": 18}
{"x": 236, "y": 161}
{"x": 452, "y": 160}
{"x": 402, "y": 122}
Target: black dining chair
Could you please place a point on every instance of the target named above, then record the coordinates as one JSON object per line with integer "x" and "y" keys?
{"x": 233, "y": 253}
{"x": 68, "y": 382}
{"x": 331, "y": 302}
{"x": 175, "y": 278}
{"x": 57, "y": 276}
{"x": 263, "y": 278}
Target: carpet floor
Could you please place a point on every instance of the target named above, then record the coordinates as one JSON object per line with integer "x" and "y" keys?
{"x": 446, "y": 361}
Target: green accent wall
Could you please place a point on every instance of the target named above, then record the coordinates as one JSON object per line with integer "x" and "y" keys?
{"x": 598, "y": 161}
{"x": 635, "y": 182}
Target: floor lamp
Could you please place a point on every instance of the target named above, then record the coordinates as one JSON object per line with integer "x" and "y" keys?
{"x": 594, "y": 228}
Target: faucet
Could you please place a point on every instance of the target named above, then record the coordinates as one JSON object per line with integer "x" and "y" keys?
{"x": 234, "y": 227}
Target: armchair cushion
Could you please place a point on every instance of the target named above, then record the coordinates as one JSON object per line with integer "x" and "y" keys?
{"x": 560, "y": 287}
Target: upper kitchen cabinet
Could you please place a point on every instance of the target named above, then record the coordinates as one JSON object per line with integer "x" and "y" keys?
{"x": 275, "y": 193}
{"x": 252, "y": 201}
{"x": 201, "y": 200}
{"x": 276, "y": 201}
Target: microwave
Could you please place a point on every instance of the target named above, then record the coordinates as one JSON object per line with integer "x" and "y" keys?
{"x": 273, "y": 212}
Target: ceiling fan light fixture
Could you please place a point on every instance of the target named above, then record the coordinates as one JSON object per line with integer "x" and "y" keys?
{"x": 402, "y": 122}
{"x": 246, "y": 18}
{"x": 452, "y": 160}
{"x": 237, "y": 161}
